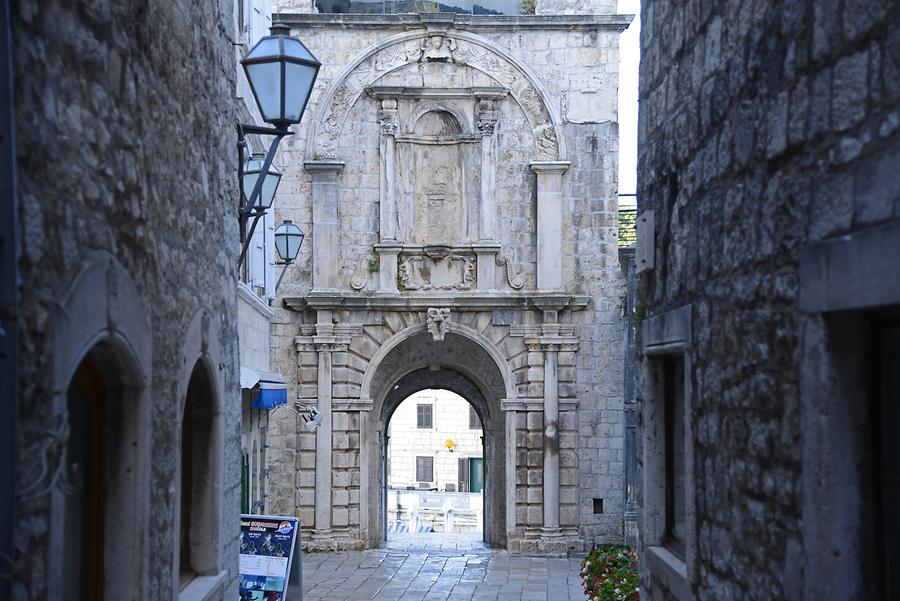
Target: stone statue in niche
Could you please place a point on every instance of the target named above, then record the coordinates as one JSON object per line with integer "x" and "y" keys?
{"x": 438, "y": 48}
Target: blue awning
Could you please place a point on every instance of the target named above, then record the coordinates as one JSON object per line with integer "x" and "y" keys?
{"x": 268, "y": 389}
{"x": 267, "y": 398}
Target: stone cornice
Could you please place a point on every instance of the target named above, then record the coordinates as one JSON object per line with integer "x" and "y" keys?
{"x": 487, "y": 301}
{"x": 510, "y": 23}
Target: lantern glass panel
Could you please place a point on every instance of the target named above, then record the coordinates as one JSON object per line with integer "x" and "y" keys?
{"x": 265, "y": 78}
{"x": 270, "y": 184}
{"x": 295, "y": 49}
{"x": 266, "y": 47}
{"x": 299, "y": 82}
{"x": 293, "y": 244}
{"x": 288, "y": 238}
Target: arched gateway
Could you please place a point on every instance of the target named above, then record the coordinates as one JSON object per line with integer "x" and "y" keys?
{"x": 463, "y": 362}
{"x": 454, "y": 245}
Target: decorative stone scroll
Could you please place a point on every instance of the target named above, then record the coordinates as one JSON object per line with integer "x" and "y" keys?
{"x": 442, "y": 272}
{"x": 437, "y": 320}
{"x": 515, "y": 279}
{"x": 461, "y": 48}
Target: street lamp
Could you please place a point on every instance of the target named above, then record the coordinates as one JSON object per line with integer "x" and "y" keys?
{"x": 281, "y": 72}
{"x": 252, "y": 170}
{"x": 288, "y": 238}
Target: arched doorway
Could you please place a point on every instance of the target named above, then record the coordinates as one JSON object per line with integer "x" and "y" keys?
{"x": 463, "y": 363}
{"x": 101, "y": 499}
{"x": 198, "y": 500}
{"x": 434, "y": 470}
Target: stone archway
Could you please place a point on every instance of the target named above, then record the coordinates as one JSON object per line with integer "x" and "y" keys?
{"x": 462, "y": 365}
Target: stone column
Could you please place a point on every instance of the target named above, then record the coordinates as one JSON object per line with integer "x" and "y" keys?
{"x": 509, "y": 414}
{"x": 324, "y": 431}
{"x": 325, "y": 222}
{"x": 387, "y": 118}
{"x": 551, "y": 438}
{"x": 487, "y": 123}
{"x": 549, "y": 223}
{"x": 388, "y": 254}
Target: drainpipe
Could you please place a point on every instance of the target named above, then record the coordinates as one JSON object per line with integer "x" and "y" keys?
{"x": 9, "y": 302}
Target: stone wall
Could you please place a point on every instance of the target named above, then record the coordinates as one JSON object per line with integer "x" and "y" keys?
{"x": 768, "y": 131}
{"x": 126, "y": 158}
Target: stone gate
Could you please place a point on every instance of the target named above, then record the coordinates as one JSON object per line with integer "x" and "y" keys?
{"x": 457, "y": 178}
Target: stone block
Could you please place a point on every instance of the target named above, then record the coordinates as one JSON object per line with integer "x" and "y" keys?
{"x": 340, "y": 517}
{"x": 305, "y": 496}
{"x": 340, "y": 496}
{"x": 849, "y": 91}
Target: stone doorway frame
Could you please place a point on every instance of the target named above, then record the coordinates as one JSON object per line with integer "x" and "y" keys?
{"x": 462, "y": 377}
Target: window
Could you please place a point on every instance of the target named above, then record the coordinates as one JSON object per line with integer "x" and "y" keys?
{"x": 425, "y": 416}
{"x": 424, "y": 469}
{"x": 673, "y": 391}
{"x": 474, "y": 422}
{"x": 199, "y": 470}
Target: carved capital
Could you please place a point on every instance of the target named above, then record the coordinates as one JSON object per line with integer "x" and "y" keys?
{"x": 487, "y": 116}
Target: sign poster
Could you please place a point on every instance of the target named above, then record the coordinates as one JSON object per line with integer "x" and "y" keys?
{"x": 266, "y": 548}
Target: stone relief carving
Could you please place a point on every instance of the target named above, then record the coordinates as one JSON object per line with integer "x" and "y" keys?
{"x": 513, "y": 278}
{"x": 438, "y": 321}
{"x": 435, "y": 48}
{"x": 438, "y": 48}
{"x": 444, "y": 272}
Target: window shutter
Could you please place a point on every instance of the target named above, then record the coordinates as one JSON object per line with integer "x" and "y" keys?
{"x": 257, "y": 255}
{"x": 463, "y": 474}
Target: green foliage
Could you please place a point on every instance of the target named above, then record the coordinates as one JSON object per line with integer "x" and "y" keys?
{"x": 611, "y": 574}
{"x": 529, "y": 7}
{"x": 374, "y": 263}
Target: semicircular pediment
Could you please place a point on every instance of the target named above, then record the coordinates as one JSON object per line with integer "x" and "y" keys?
{"x": 450, "y": 48}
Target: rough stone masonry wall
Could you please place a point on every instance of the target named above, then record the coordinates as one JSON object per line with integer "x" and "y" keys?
{"x": 125, "y": 121}
{"x": 763, "y": 126}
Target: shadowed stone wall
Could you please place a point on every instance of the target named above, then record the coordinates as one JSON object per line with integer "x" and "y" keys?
{"x": 768, "y": 151}
{"x": 126, "y": 158}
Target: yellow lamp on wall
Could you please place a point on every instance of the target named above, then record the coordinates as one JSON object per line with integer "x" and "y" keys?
{"x": 449, "y": 444}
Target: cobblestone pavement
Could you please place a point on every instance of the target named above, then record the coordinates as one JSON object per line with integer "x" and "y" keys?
{"x": 438, "y": 567}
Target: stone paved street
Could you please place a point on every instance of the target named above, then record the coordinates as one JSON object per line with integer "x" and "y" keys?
{"x": 447, "y": 568}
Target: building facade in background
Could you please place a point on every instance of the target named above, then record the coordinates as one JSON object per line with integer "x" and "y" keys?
{"x": 127, "y": 481}
{"x": 456, "y": 175}
{"x": 435, "y": 465}
{"x": 768, "y": 246}
{"x": 437, "y": 435}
